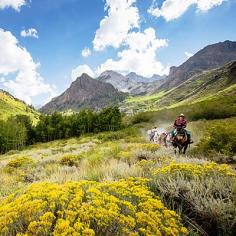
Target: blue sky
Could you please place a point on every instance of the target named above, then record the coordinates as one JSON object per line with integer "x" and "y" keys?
{"x": 144, "y": 36}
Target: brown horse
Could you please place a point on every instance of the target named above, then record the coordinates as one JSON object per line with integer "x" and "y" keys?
{"x": 180, "y": 141}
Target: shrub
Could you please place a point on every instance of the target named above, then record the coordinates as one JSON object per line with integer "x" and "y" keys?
{"x": 143, "y": 155}
{"x": 70, "y": 160}
{"x": 19, "y": 162}
{"x": 220, "y": 139}
{"x": 141, "y": 117}
{"x": 88, "y": 208}
{"x": 117, "y": 135}
{"x": 110, "y": 136}
{"x": 204, "y": 194}
{"x": 149, "y": 147}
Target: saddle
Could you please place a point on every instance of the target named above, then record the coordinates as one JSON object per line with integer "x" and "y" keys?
{"x": 180, "y": 135}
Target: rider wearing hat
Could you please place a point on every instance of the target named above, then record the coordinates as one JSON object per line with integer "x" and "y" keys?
{"x": 182, "y": 123}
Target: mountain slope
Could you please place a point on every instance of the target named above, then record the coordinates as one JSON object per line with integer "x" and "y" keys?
{"x": 210, "y": 57}
{"x": 85, "y": 92}
{"x": 206, "y": 85}
{"x": 11, "y": 106}
{"x": 211, "y": 84}
{"x": 138, "y": 78}
{"x": 120, "y": 82}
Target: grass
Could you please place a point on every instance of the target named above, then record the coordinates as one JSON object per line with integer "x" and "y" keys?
{"x": 117, "y": 156}
{"x": 145, "y": 98}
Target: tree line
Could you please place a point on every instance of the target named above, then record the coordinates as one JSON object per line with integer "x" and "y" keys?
{"x": 18, "y": 131}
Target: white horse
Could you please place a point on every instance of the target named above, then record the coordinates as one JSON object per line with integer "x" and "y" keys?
{"x": 158, "y": 135}
{"x": 151, "y": 134}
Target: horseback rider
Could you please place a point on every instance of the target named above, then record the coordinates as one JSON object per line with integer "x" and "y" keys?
{"x": 151, "y": 133}
{"x": 181, "y": 122}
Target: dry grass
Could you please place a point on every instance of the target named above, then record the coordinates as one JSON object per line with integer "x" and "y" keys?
{"x": 93, "y": 158}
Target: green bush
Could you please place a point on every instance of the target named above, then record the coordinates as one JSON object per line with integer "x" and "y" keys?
{"x": 70, "y": 160}
{"x": 117, "y": 135}
{"x": 141, "y": 117}
{"x": 109, "y": 136}
{"x": 220, "y": 138}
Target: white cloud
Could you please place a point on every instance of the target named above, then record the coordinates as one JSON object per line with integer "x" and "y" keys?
{"x": 122, "y": 17}
{"x": 16, "y": 61}
{"x": 188, "y": 54}
{"x": 86, "y": 52}
{"x": 173, "y": 9}
{"x": 205, "y": 5}
{"x": 30, "y": 33}
{"x": 139, "y": 56}
{"x": 15, "y": 4}
{"x": 2, "y": 79}
{"x": 78, "y": 71}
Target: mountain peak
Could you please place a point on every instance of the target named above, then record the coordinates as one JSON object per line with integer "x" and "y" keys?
{"x": 85, "y": 92}
{"x": 110, "y": 73}
{"x": 83, "y": 77}
{"x": 131, "y": 74}
{"x": 210, "y": 57}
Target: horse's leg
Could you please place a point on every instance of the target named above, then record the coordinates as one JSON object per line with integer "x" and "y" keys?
{"x": 180, "y": 148}
{"x": 159, "y": 140}
{"x": 185, "y": 148}
{"x": 165, "y": 143}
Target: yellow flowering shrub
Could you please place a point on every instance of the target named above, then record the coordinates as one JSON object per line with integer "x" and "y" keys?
{"x": 125, "y": 207}
{"x": 152, "y": 147}
{"x": 126, "y": 156}
{"x": 189, "y": 169}
{"x": 19, "y": 163}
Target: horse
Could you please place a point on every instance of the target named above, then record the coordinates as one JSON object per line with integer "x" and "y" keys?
{"x": 169, "y": 139}
{"x": 151, "y": 135}
{"x": 180, "y": 140}
{"x": 160, "y": 137}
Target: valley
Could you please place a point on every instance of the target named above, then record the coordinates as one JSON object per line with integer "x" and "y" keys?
{"x": 84, "y": 165}
{"x": 117, "y": 118}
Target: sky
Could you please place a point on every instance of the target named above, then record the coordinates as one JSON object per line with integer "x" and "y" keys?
{"x": 46, "y": 44}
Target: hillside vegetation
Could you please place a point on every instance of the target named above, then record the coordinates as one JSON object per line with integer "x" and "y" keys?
{"x": 118, "y": 183}
{"x": 209, "y": 85}
{"x": 55, "y": 126}
{"x": 98, "y": 174}
{"x": 10, "y": 106}
{"x": 119, "y": 187}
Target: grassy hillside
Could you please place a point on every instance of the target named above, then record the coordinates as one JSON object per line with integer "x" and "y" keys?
{"x": 118, "y": 183}
{"x": 213, "y": 84}
{"x": 10, "y": 106}
{"x": 150, "y": 191}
